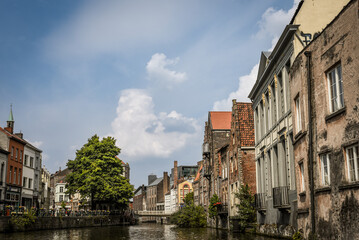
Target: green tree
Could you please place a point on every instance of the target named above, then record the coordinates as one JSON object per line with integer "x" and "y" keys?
{"x": 246, "y": 210}
{"x": 213, "y": 206}
{"x": 188, "y": 199}
{"x": 190, "y": 216}
{"x": 96, "y": 173}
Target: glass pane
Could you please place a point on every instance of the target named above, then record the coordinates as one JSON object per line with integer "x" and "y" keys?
{"x": 340, "y": 83}
{"x": 351, "y": 164}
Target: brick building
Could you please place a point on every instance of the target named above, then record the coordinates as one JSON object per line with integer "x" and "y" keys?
{"x": 241, "y": 164}
{"x": 15, "y": 145}
{"x": 325, "y": 99}
{"x": 216, "y": 135}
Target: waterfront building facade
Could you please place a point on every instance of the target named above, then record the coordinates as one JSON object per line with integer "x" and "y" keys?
{"x": 275, "y": 173}
{"x": 216, "y": 135}
{"x": 3, "y": 165}
{"x": 324, "y": 97}
{"x": 241, "y": 158}
{"x": 45, "y": 189}
{"x": 15, "y": 146}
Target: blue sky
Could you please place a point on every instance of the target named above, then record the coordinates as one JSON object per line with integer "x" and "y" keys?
{"x": 145, "y": 72}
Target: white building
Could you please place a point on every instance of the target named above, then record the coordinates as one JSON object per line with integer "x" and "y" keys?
{"x": 171, "y": 201}
{"x": 27, "y": 192}
{"x": 61, "y": 196}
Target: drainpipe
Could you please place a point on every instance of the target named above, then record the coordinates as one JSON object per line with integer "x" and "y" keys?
{"x": 308, "y": 54}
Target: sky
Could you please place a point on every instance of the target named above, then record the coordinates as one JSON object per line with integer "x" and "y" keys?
{"x": 144, "y": 72}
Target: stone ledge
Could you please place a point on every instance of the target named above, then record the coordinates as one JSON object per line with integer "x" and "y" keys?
{"x": 323, "y": 190}
{"x": 354, "y": 185}
{"x": 299, "y": 136}
{"x": 331, "y": 116}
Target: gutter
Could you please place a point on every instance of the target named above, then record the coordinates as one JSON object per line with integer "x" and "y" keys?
{"x": 308, "y": 54}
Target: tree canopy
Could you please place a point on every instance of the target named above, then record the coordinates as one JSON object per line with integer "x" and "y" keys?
{"x": 96, "y": 173}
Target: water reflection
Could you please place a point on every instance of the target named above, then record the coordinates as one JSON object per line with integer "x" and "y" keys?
{"x": 139, "y": 232}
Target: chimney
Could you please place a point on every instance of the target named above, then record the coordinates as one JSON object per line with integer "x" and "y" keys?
{"x": 165, "y": 183}
{"x": 20, "y": 135}
{"x": 151, "y": 178}
{"x": 175, "y": 174}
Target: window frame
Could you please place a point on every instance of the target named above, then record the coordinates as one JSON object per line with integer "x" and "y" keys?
{"x": 355, "y": 159}
{"x": 338, "y": 99}
{"x": 325, "y": 158}
{"x": 301, "y": 172}
{"x": 298, "y": 115}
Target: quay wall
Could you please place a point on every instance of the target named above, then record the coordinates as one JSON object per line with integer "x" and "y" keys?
{"x": 49, "y": 223}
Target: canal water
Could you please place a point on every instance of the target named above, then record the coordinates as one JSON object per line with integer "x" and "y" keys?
{"x": 138, "y": 232}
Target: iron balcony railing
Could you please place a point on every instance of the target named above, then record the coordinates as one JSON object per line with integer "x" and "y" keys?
{"x": 223, "y": 209}
{"x": 260, "y": 201}
{"x": 281, "y": 197}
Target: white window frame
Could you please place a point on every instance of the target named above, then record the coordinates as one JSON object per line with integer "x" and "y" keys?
{"x": 325, "y": 169}
{"x": 298, "y": 114}
{"x": 336, "y": 95}
{"x": 353, "y": 173}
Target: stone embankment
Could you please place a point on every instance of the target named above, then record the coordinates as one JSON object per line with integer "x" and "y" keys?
{"x": 49, "y": 223}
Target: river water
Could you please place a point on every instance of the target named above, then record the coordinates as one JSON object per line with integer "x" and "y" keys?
{"x": 138, "y": 232}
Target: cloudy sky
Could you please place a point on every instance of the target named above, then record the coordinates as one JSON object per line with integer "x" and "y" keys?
{"x": 145, "y": 72}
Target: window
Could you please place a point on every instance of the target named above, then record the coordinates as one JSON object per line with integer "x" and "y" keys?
{"x": 335, "y": 84}
{"x": 268, "y": 124}
{"x": 325, "y": 169}
{"x": 353, "y": 162}
{"x": 20, "y": 155}
{"x": 37, "y": 163}
{"x": 274, "y": 106}
{"x": 61, "y": 189}
{"x": 19, "y": 176}
{"x": 17, "y": 153}
{"x": 30, "y": 182}
{"x": 26, "y": 157}
{"x": 297, "y": 114}
{"x": 61, "y": 198}
{"x": 12, "y": 152}
{"x": 281, "y": 95}
{"x": 15, "y": 170}
{"x": 302, "y": 185}
{"x": 10, "y": 180}
{"x": 24, "y": 183}
{"x": 2, "y": 172}
{"x": 31, "y": 162}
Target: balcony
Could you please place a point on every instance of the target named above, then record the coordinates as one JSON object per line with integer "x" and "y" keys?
{"x": 281, "y": 197}
{"x": 223, "y": 209}
{"x": 260, "y": 201}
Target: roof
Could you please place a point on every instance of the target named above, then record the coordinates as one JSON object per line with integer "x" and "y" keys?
{"x": 11, "y": 117}
{"x": 120, "y": 160}
{"x": 13, "y": 136}
{"x": 221, "y": 120}
{"x": 156, "y": 182}
{"x": 277, "y": 52}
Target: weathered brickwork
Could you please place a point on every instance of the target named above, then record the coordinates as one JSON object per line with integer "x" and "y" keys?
{"x": 335, "y": 130}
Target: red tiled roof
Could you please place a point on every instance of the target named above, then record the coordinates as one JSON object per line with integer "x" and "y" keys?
{"x": 12, "y": 135}
{"x": 221, "y": 120}
{"x": 120, "y": 160}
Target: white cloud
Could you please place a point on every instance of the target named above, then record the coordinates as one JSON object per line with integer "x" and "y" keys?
{"x": 271, "y": 26}
{"x": 142, "y": 133}
{"x": 273, "y": 21}
{"x": 157, "y": 69}
{"x": 36, "y": 144}
{"x": 245, "y": 85}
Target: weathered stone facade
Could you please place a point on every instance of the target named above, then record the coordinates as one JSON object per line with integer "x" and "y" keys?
{"x": 324, "y": 95}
